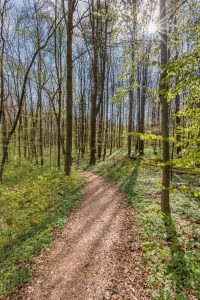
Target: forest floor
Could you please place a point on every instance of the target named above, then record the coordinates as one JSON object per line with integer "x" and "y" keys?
{"x": 97, "y": 255}
{"x": 170, "y": 246}
{"x": 34, "y": 203}
{"x": 114, "y": 244}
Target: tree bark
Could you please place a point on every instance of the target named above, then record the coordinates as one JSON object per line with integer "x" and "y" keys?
{"x": 165, "y": 205}
{"x": 68, "y": 154}
{"x": 142, "y": 109}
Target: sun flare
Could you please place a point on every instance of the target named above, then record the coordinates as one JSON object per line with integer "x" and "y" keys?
{"x": 152, "y": 28}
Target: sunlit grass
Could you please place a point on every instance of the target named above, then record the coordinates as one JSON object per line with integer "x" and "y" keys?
{"x": 33, "y": 202}
{"x": 171, "y": 247}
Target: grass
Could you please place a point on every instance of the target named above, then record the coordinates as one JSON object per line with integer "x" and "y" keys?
{"x": 171, "y": 247}
{"x": 33, "y": 202}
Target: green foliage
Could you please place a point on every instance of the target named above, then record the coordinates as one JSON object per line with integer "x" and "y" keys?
{"x": 183, "y": 79}
{"x": 33, "y": 201}
{"x": 122, "y": 92}
{"x": 171, "y": 247}
{"x": 119, "y": 95}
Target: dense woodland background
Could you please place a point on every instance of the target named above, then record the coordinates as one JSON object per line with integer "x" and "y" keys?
{"x": 82, "y": 79}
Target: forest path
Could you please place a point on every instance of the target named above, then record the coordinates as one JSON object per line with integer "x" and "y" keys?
{"x": 96, "y": 256}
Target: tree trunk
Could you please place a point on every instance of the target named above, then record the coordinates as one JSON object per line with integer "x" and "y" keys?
{"x": 93, "y": 112}
{"x": 130, "y": 121}
{"x": 138, "y": 105}
{"x": 93, "y": 125}
{"x": 68, "y": 154}
{"x": 165, "y": 205}
{"x": 142, "y": 109}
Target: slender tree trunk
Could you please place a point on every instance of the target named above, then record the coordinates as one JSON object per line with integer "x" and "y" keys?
{"x": 68, "y": 154}
{"x": 82, "y": 126}
{"x": 19, "y": 137}
{"x": 178, "y": 122}
{"x": 40, "y": 127}
{"x": 142, "y": 109}
{"x": 100, "y": 131}
{"x": 106, "y": 116}
{"x": 25, "y": 121}
{"x": 165, "y": 205}
{"x": 130, "y": 121}
{"x": 138, "y": 105}
{"x": 5, "y": 143}
{"x": 93, "y": 124}
{"x": 120, "y": 125}
{"x": 111, "y": 130}
{"x": 101, "y": 112}
{"x": 93, "y": 112}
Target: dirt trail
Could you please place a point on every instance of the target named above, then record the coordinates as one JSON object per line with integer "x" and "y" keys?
{"x": 96, "y": 256}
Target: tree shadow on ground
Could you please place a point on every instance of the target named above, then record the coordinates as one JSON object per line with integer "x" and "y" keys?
{"x": 128, "y": 186}
{"x": 179, "y": 268}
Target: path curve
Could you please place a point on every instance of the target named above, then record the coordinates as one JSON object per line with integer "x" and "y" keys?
{"x": 96, "y": 256}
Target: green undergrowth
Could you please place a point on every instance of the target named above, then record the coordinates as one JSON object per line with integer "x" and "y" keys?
{"x": 171, "y": 247}
{"x": 33, "y": 202}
